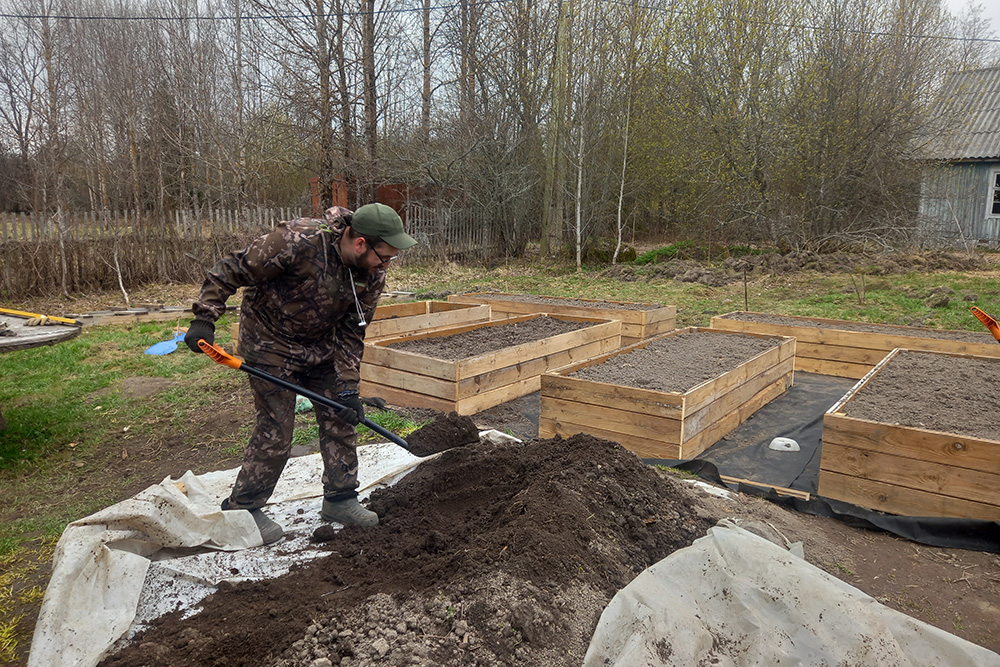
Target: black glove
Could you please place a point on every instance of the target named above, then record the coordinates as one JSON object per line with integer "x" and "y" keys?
{"x": 199, "y": 329}
{"x": 353, "y": 411}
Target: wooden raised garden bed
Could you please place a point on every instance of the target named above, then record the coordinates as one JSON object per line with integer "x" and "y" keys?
{"x": 639, "y": 320}
{"x": 850, "y": 349}
{"x": 666, "y": 424}
{"x": 908, "y": 457}
{"x": 400, "y": 319}
{"x": 479, "y": 381}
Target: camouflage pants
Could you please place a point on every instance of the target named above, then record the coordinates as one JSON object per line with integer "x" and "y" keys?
{"x": 271, "y": 442}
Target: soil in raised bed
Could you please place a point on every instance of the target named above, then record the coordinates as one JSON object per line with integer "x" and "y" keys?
{"x": 487, "y": 555}
{"x": 559, "y": 301}
{"x": 937, "y": 392}
{"x": 679, "y": 362}
{"x": 477, "y": 342}
{"x": 888, "y": 329}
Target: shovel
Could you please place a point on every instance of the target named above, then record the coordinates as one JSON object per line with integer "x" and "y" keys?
{"x": 990, "y": 323}
{"x": 167, "y": 346}
{"x": 218, "y": 355}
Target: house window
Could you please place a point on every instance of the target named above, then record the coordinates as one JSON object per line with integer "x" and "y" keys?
{"x": 993, "y": 205}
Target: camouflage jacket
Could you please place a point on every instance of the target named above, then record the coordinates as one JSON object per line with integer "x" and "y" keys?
{"x": 298, "y": 310}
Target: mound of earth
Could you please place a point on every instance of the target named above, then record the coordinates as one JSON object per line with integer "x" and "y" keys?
{"x": 443, "y": 432}
{"x": 715, "y": 273}
{"x": 487, "y": 555}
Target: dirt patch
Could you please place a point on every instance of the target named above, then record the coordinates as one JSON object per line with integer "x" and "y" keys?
{"x": 678, "y": 363}
{"x": 489, "y": 339}
{"x": 557, "y": 301}
{"x": 444, "y": 432}
{"x": 888, "y": 329}
{"x": 932, "y": 391}
{"x": 491, "y": 555}
{"x": 137, "y": 387}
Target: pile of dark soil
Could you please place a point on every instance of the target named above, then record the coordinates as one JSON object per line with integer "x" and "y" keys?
{"x": 487, "y": 555}
{"x": 443, "y": 432}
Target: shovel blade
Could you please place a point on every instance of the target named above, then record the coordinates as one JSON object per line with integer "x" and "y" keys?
{"x": 165, "y": 347}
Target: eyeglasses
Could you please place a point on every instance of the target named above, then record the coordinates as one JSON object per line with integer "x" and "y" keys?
{"x": 381, "y": 259}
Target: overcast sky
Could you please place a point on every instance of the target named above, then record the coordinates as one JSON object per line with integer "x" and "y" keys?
{"x": 991, "y": 11}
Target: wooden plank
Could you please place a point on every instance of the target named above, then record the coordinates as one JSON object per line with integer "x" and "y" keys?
{"x": 405, "y": 398}
{"x": 498, "y": 303}
{"x": 696, "y": 421}
{"x": 386, "y": 311}
{"x": 488, "y": 399}
{"x": 401, "y": 379}
{"x": 601, "y": 393}
{"x": 420, "y": 364}
{"x": 455, "y": 330}
{"x": 853, "y": 355}
{"x": 709, "y": 436}
{"x": 912, "y": 473}
{"x": 445, "y": 306}
{"x": 537, "y": 348}
{"x": 900, "y": 500}
{"x": 612, "y": 420}
{"x": 635, "y": 321}
{"x": 468, "y": 387}
{"x": 703, "y": 394}
{"x": 932, "y": 446}
{"x": 780, "y": 490}
{"x": 865, "y": 379}
{"x": 829, "y": 335}
{"x": 833, "y": 368}
{"x": 645, "y": 448}
{"x": 398, "y": 325}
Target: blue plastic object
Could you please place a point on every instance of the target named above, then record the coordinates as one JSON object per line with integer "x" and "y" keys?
{"x": 167, "y": 346}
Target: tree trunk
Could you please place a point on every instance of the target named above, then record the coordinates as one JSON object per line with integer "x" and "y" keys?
{"x": 425, "y": 97}
{"x": 371, "y": 99}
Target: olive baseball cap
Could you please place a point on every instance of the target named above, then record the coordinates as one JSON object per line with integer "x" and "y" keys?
{"x": 381, "y": 221}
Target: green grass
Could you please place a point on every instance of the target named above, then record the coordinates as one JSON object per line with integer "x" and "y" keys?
{"x": 666, "y": 252}
{"x": 54, "y": 399}
{"x": 307, "y": 431}
{"x": 891, "y": 299}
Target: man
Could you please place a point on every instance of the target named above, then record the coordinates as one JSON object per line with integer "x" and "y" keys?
{"x": 312, "y": 286}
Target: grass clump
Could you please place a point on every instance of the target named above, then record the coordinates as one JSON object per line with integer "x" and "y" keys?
{"x": 671, "y": 251}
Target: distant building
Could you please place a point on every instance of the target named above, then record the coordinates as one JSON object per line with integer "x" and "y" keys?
{"x": 960, "y": 188}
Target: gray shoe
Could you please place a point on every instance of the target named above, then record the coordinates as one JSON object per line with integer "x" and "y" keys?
{"x": 270, "y": 532}
{"x": 348, "y": 512}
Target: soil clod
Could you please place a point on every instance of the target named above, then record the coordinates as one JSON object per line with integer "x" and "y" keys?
{"x": 443, "y": 432}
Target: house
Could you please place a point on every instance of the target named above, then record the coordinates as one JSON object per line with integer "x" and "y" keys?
{"x": 960, "y": 188}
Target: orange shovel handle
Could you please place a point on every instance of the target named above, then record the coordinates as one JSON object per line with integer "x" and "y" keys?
{"x": 990, "y": 323}
{"x": 218, "y": 355}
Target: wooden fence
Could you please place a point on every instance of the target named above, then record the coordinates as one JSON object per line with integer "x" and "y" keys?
{"x": 110, "y": 224}
{"x": 100, "y": 249}
{"x": 459, "y": 235}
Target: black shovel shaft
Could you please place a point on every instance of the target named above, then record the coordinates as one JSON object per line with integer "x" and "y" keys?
{"x": 323, "y": 400}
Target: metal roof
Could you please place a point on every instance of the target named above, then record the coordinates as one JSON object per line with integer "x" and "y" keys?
{"x": 966, "y": 123}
